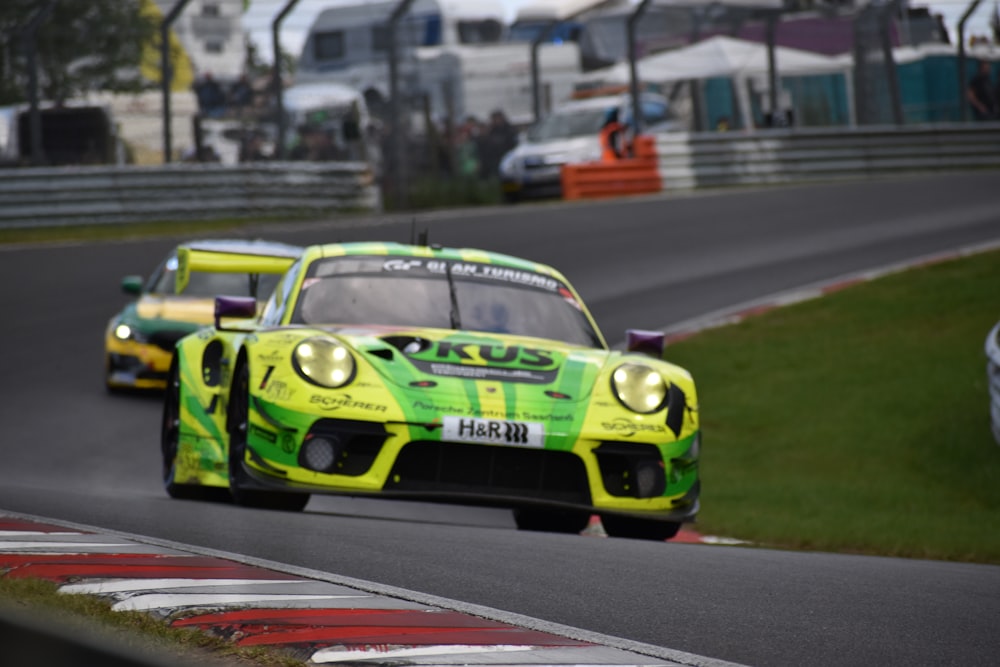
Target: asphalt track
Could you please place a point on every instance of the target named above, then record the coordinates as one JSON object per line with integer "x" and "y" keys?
{"x": 72, "y": 452}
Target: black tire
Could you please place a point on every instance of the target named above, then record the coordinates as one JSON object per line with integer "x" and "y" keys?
{"x": 169, "y": 435}
{"x": 639, "y": 529}
{"x": 550, "y": 520}
{"x": 239, "y": 398}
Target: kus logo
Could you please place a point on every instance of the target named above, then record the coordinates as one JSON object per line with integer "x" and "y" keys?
{"x": 512, "y": 355}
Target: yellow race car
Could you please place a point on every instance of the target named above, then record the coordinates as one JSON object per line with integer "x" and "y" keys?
{"x": 179, "y": 298}
{"x": 429, "y": 373}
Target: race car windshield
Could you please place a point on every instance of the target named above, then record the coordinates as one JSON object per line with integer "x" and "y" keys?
{"x": 208, "y": 285}
{"x": 484, "y": 298}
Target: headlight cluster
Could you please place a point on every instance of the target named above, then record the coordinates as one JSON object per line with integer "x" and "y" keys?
{"x": 125, "y": 332}
{"x": 324, "y": 361}
{"x": 639, "y": 388}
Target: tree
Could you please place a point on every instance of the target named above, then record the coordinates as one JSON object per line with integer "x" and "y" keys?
{"x": 83, "y": 46}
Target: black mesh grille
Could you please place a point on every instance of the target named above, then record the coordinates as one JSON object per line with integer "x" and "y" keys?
{"x": 361, "y": 441}
{"x": 482, "y": 470}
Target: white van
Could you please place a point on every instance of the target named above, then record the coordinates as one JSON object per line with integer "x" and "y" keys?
{"x": 453, "y": 51}
{"x": 571, "y": 135}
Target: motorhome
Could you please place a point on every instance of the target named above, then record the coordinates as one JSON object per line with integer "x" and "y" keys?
{"x": 454, "y": 53}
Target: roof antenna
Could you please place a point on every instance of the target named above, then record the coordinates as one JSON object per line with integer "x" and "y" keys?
{"x": 422, "y": 240}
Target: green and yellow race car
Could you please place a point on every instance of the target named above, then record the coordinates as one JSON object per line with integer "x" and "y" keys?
{"x": 438, "y": 374}
{"x": 179, "y": 298}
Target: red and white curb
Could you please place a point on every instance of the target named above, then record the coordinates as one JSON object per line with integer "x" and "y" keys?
{"x": 317, "y": 617}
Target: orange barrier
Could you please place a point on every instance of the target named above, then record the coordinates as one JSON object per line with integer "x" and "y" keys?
{"x": 639, "y": 174}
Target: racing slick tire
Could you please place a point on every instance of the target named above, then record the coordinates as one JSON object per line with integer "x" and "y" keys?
{"x": 169, "y": 432}
{"x": 550, "y": 520}
{"x": 641, "y": 529}
{"x": 239, "y": 399}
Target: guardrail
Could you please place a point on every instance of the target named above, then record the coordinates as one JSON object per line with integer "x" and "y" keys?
{"x": 36, "y": 197}
{"x": 693, "y": 160}
{"x": 993, "y": 378}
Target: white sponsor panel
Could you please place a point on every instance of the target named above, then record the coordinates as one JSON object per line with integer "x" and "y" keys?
{"x": 494, "y": 431}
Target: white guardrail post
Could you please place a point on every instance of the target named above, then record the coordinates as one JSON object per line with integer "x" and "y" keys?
{"x": 55, "y": 196}
{"x": 993, "y": 378}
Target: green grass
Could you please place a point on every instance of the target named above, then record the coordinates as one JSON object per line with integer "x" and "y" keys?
{"x": 111, "y": 231}
{"x": 858, "y": 422}
{"x": 131, "y": 631}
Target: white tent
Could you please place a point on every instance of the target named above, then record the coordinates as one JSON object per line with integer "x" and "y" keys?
{"x": 719, "y": 56}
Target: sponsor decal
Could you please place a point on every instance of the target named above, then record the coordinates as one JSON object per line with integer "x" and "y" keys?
{"x": 287, "y": 443}
{"x": 278, "y": 390}
{"x": 568, "y": 298}
{"x": 493, "y": 431}
{"x": 263, "y": 434}
{"x": 270, "y": 357}
{"x": 473, "y": 270}
{"x": 503, "y": 274}
{"x": 626, "y": 428}
{"x": 397, "y": 264}
{"x": 484, "y": 361}
{"x": 330, "y": 403}
{"x": 437, "y": 407}
{"x": 513, "y": 355}
{"x": 546, "y": 417}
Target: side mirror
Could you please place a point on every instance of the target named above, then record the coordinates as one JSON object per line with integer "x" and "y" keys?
{"x": 241, "y": 307}
{"x": 132, "y": 284}
{"x": 649, "y": 343}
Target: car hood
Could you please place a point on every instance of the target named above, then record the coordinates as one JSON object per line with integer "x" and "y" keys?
{"x": 455, "y": 363}
{"x": 560, "y": 151}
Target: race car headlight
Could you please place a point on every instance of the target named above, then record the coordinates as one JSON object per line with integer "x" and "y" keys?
{"x": 124, "y": 332}
{"x": 324, "y": 361}
{"x": 639, "y": 388}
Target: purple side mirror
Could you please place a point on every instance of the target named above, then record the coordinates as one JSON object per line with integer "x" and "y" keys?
{"x": 650, "y": 343}
{"x": 243, "y": 307}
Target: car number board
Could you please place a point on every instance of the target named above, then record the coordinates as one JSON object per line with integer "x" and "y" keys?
{"x": 493, "y": 432}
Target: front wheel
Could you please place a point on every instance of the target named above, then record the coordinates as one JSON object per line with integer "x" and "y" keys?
{"x": 551, "y": 521}
{"x": 640, "y": 529}
{"x": 239, "y": 401}
{"x": 170, "y": 437}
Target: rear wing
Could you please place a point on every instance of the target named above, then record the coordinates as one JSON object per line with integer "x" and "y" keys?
{"x": 213, "y": 261}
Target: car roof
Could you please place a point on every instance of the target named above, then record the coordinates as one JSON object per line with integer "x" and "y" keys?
{"x": 244, "y": 247}
{"x": 429, "y": 252}
{"x": 604, "y": 102}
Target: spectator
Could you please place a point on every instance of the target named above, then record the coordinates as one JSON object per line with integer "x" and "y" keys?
{"x": 315, "y": 144}
{"x": 981, "y": 95}
{"x": 252, "y": 147}
{"x": 211, "y": 98}
{"x": 613, "y": 140}
{"x": 500, "y": 137}
{"x": 241, "y": 93}
{"x": 467, "y": 148}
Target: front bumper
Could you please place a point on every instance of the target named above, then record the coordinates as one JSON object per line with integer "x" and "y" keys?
{"x": 409, "y": 461}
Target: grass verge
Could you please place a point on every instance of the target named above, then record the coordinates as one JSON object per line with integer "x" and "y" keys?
{"x": 858, "y": 422}
{"x": 131, "y": 633}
